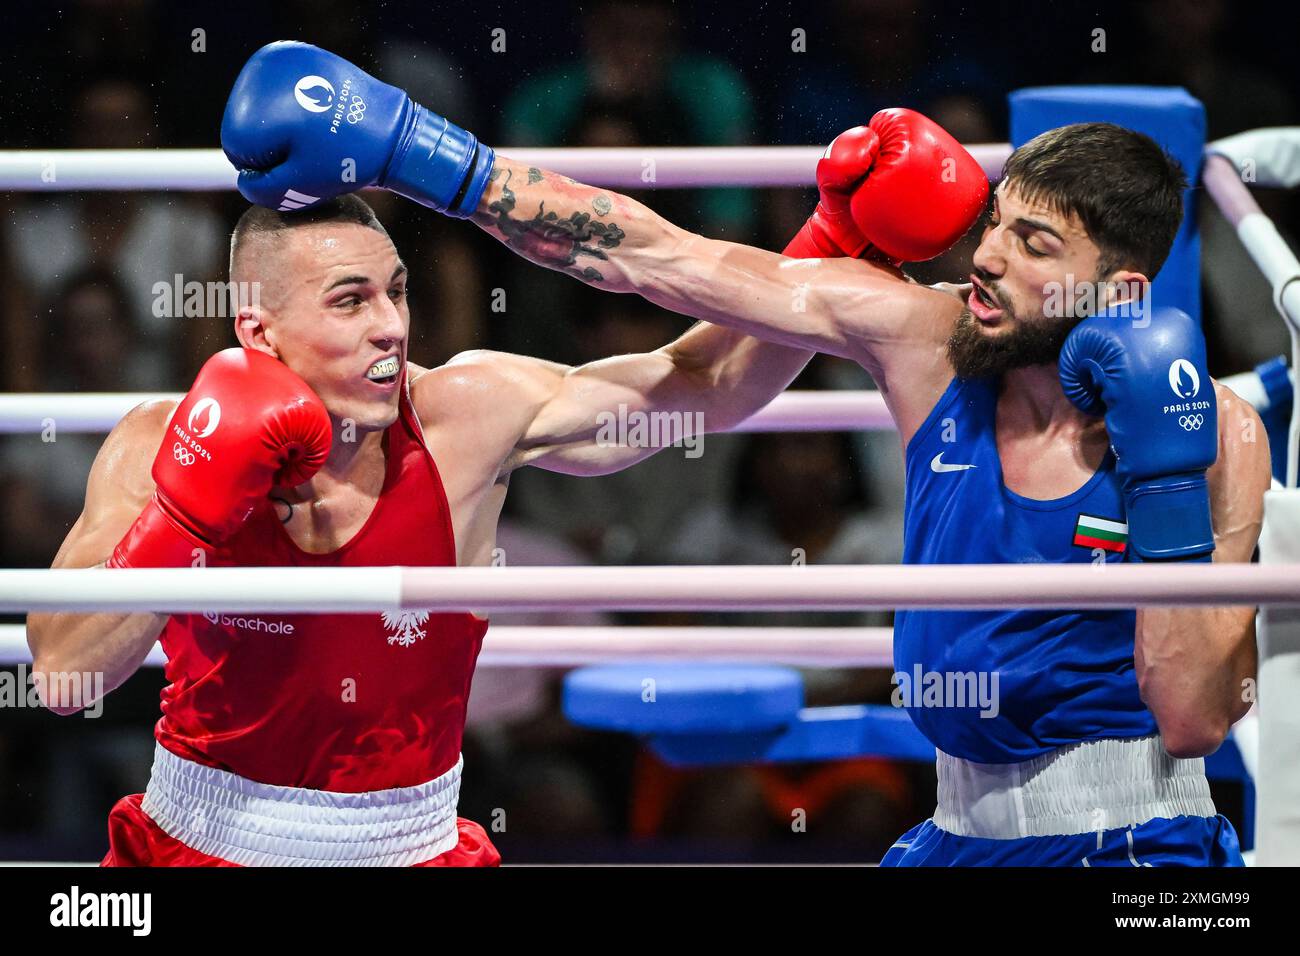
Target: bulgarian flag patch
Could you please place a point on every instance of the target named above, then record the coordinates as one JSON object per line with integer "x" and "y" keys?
{"x": 1094, "y": 532}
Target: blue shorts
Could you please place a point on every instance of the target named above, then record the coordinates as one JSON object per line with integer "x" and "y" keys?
{"x": 1182, "y": 841}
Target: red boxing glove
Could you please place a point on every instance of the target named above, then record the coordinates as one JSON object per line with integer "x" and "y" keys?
{"x": 830, "y": 232}
{"x": 248, "y": 424}
{"x": 900, "y": 189}
{"x": 923, "y": 192}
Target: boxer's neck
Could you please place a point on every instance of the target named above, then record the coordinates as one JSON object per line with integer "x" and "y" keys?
{"x": 1031, "y": 398}
{"x": 359, "y": 463}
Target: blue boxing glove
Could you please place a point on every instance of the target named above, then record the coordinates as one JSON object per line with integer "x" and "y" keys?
{"x": 303, "y": 125}
{"x": 1161, "y": 414}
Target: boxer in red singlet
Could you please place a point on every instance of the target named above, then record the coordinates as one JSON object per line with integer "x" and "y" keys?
{"x": 297, "y": 739}
{"x": 335, "y": 739}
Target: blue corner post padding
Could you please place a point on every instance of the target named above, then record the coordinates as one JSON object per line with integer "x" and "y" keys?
{"x": 1169, "y": 115}
{"x": 817, "y": 733}
{"x": 658, "y": 697}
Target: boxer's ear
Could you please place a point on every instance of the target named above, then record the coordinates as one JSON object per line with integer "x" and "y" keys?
{"x": 253, "y": 332}
{"x": 1124, "y": 286}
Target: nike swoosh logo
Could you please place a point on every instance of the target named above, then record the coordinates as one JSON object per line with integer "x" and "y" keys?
{"x": 937, "y": 465}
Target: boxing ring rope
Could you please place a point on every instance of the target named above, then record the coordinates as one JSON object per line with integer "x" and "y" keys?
{"x": 72, "y": 412}
{"x": 508, "y": 645}
{"x": 659, "y": 167}
{"x": 791, "y": 411}
{"x": 1260, "y": 237}
{"x": 678, "y": 588}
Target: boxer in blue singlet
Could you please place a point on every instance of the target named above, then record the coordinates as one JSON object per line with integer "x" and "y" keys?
{"x": 1070, "y": 769}
{"x": 1079, "y": 442}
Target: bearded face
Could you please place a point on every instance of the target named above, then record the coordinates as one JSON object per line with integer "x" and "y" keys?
{"x": 976, "y": 352}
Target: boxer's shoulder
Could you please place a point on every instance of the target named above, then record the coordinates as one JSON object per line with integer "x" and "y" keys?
{"x": 907, "y": 314}
{"x": 129, "y": 449}
{"x": 138, "y": 435}
{"x": 120, "y": 483}
{"x": 1241, "y": 430}
{"x": 154, "y": 413}
{"x": 1238, "y": 420}
{"x": 481, "y": 378}
{"x": 490, "y": 392}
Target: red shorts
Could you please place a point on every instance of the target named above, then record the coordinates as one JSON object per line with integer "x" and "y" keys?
{"x": 135, "y": 840}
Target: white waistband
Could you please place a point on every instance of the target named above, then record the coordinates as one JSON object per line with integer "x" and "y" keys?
{"x": 256, "y": 824}
{"x": 1086, "y": 787}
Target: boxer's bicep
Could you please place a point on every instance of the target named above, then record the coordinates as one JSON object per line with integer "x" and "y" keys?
{"x": 507, "y": 411}
{"x": 838, "y": 306}
{"x": 601, "y": 417}
{"x": 881, "y": 315}
{"x": 905, "y": 349}
{"x": 118, "y": 487}
{"x": 1239, "y": 478}
{"x": 614, "y": 412}
{"x": 479, "y": 405}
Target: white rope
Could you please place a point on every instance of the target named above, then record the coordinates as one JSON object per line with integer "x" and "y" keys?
{"x": 1274, "y": 258}
{"x": 73, "y": 412}
{"x": 717, "y": 588}
{"x": 523, "y": 646}
{"x": 70, "y": 412}
{"x": 657, "y": 167}
{"x": 845, "y": 411}
{"x": 192, "y": 590}
{"x": 793, "y": 411}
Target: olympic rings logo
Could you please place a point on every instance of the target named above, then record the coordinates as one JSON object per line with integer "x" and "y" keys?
{"x": 182, "y": 455}
{"x": 357, "y": 111}
{"x": 1191, "y": 422}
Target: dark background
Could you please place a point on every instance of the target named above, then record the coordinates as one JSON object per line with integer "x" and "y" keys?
{"x": 76, "y": 270}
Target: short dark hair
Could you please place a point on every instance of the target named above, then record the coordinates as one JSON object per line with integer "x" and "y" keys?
{"x": 1125, "y": 189}
{"x": 259, "y": 220}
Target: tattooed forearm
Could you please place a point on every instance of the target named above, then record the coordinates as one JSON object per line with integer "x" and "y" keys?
{"x": 613, "y": 242}
{"x": 570, "y": 241}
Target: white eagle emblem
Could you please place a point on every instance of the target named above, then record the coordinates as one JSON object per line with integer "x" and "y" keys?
{"x": 405, "y": 626}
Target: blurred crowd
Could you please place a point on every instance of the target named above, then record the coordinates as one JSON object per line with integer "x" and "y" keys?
{"x": 80, "y": 271}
